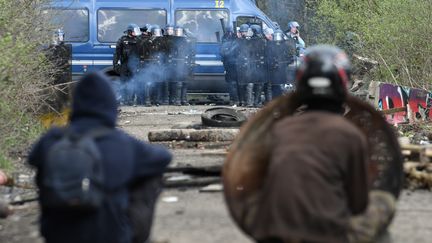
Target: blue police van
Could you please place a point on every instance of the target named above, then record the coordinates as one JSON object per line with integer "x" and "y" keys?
{"x": 93, "y": 27}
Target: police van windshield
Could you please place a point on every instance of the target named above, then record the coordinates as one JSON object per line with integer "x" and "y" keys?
{"x": 74, "y": 22}
{"x": 202, "y": 24}
{"x": 112, "y": 23}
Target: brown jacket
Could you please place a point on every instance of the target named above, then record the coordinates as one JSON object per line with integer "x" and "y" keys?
{"x": 317, "y": 179}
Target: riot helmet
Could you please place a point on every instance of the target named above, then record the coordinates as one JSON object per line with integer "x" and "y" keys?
{"x": 293, "y": 24}
{"x": 146, "y": 28}
{"x": 133, "y": 30}
{"x": 156, "y": 31}
{"x": 324, "y": 74}
{"x": 179, "y": 31}
{"x": 256, "y": 30}
{"x": 244, "y": 28}
{"x": 58, "y": 37}
{"x": 169, "y": 30}
{"x": 229, "y": 33}
{"x": 278, "y": 35}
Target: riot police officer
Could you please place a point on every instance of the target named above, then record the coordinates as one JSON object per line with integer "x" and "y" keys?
{"x": 294, "y": 33}
{"x": 188, "y": 52}
{"x": 126, "y": 60}
{"x": 279, "y": 54}
{"x": 259, "y": 63}
{"x": 59, "y": 55}
{"x": 244, "y": 66}
{"x": 170, "y": 75}
{"x": 153, "y": 66}
{"x": 228, "y": 54}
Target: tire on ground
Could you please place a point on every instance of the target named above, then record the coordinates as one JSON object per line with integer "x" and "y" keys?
{"x": 222, "y": 117}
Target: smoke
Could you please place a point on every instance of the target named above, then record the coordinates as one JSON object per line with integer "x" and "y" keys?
{"x": 152, "y": 74}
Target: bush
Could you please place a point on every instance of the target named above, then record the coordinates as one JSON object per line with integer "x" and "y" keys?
{"x": 24, "y": 74}
{"x": 395, "y": 33}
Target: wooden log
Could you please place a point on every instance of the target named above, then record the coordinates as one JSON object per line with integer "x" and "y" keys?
{"x": 204, "y": 135}
{"x": 394, "y": 110}
{"x": 195, "y": 145}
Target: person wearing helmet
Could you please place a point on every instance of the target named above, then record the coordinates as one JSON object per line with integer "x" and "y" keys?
{"x": 153, "y": 60}
{"x": 58, "y": 37}
{"x": 294, "y": 33}
{"x": 59, "y": 54}
{"x": 268, "y": 33}
{"x": 146, "y": 31}
{"x": 169, "y": 30}
{"x": 176, "y": 63}
{"x": 279, "y": 55}
{"x": 187, "y": 51}
{"x": 317, "y": 173}
{"x": 257, "y": 48}
{"x": 126, "y": 61}
{"x": 228, "y": 53}
{"x": 256, "y": 31}
{"x": 243, "y": 31}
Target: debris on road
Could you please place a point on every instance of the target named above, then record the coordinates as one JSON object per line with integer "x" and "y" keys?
{"x": 170, "y": 199}
{"x": 212, "y": 188}
{"x": 203, "y": 135}
{"x": 417, "y": 166}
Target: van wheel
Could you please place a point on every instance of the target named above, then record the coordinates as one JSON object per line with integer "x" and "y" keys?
{"x": 222, "y": 117}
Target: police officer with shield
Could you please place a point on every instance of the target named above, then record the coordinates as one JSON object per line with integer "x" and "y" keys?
{"x": 229, "y": 58}
{"x": 244, "y": 66}
{"x": 279, "y": 54}
{"x": 153, "y": 66}
{"x": 258, "y": 78}
{"x": 126, "y": 60}
{"x": 189, "y": 54}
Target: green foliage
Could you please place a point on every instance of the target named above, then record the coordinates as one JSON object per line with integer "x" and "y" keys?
{"x": 24, "y": 72}
{"x": 395, "y": 33}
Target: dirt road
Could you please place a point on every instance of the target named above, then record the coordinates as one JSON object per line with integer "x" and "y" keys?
{"x": 188, "y": 215}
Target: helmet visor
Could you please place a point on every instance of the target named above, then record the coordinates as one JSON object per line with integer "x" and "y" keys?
{"x": 136, "y": 31}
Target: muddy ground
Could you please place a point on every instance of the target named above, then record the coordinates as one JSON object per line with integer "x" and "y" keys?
{"x": 186, "y": 214}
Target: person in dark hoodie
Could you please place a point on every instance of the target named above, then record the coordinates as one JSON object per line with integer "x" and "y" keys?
{"x": 131, "y": 168}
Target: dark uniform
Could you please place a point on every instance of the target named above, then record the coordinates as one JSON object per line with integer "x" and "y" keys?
{"x": 190, "y": 52}
{"x": 229, "y": 58}
{"x": 126, "y": 63}
{"x": 59, "y": 55}
{"x": 177, "y": 64}
{"x": 251, "y": 70}
{"x": 153, "y": 65}
{"x": 279, "y": 54}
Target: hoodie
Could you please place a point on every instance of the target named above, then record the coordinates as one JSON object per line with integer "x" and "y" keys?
{"x": 126, "y": 160}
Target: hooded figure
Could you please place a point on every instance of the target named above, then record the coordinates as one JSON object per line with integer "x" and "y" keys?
{"x": 126, "y": 164}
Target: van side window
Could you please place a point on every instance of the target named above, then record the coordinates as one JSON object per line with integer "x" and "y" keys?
{"x": 202, "y": 24}
{"x": 113, "y": 22}
{"x": 74, "y": 22}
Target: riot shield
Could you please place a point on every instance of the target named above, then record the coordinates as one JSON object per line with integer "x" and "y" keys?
{"x": 279, "y": 57}
{"x": 245, "y": 61}
{"x": 257, "y": 47}
{"x": 245, "y": 168}
{"x": 180, "y": 57}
